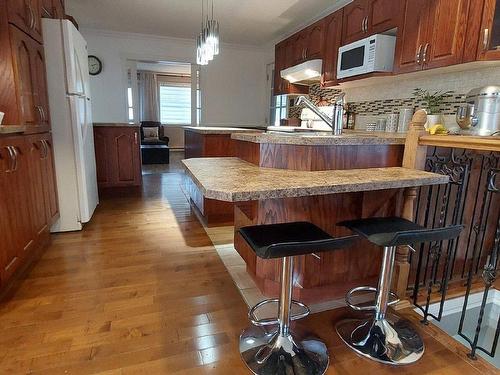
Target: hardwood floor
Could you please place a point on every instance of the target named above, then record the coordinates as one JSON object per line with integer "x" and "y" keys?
{"x": 141, "y": 290}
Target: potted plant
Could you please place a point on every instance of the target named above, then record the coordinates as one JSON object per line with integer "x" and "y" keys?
{"x": 433, "y": 103}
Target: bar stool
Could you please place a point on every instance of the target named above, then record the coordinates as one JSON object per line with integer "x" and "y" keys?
{"x": 269, "y": 346}
{"x": 386, "y": 337}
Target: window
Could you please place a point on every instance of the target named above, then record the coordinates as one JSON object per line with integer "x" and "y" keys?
{"x": 175, "y": 103}
{"x": 130, "y": 104}
{"x": 278, "y": 105}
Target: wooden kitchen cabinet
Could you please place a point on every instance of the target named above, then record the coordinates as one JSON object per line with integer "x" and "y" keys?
{"x": 314, "y": 40}
{"x": 412, "y": 37}
{"x": 26, "y": 15}
{"x": 432, "y": 34}
{"x": 363, "y": 18}
{"x": 118, "y": 156}
{"x": 331, "y": 44}
{"x": 282, "y": 60}
{"x": 353, "y": 27}
{"x": 59, "y": 9}
{"x": 28, "y": 63}
{"x": 489, "y": 36}
{"x": 14, "y": 164}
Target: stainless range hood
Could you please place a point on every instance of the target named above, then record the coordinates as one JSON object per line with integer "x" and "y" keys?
{"x": 306, "y": 73}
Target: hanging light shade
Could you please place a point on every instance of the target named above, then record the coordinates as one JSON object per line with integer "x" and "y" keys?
{"x": 208, "y": 41}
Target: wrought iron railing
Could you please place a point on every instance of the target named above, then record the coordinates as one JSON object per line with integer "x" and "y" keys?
{"x": 472, "y": 198}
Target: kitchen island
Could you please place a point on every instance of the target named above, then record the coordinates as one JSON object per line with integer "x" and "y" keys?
{"x": 298, "y": 171}
{"x": 269, "y": 195}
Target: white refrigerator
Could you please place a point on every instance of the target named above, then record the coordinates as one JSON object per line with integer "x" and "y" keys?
{"x": 72, "y": 128}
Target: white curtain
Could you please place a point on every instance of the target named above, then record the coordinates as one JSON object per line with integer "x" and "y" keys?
{"x": 148, "y": 96}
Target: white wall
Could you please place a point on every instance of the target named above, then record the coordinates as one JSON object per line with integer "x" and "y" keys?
{"x": 233, "y": 85}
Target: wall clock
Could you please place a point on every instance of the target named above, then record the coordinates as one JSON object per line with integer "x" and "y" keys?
{"x": 95, "y": 65}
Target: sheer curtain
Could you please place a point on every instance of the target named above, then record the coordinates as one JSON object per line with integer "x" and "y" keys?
{"x": 148, "y": 96}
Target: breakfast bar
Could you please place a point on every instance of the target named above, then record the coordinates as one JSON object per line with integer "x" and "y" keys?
{"x": 271, "y": 195}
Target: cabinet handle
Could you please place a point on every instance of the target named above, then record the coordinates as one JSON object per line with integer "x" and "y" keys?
{"x": 38, "y": 109}
{"x": 43, "y": 114}
{"x": 486, "y": 39}
{"x": 366, "y": 24}
{"x": 11, "y": 160}
{"x": 424, "y": 58}
{"x": 363, "y": 24}
{"x": 45, "y": 149}
{"x": 419, "y": 52}
{"x": 135, "y": 137}
{"x": 13, "y": 156}
{"x": 32, "y": 16}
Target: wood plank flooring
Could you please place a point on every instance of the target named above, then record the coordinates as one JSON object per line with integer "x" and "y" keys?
{"x": 141, "y": 290}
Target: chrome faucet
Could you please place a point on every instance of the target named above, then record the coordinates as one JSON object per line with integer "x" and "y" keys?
{"x": 338, "y": 112}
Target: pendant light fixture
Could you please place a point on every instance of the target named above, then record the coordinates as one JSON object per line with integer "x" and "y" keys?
{"x": 208, "y": 41}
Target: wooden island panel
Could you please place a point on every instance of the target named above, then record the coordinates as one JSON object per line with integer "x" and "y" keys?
{"x": 333, "y": 273}
{"x": 319, "y": 158}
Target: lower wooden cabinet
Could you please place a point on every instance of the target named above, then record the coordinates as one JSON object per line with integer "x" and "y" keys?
{"x": 28, "y": 203}
{"x": 118, "y": 156}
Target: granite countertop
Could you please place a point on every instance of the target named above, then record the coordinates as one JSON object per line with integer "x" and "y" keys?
{"x": 220, "y": 130}
{"x": 350, "y": 138}
{"x": 116, "y": 124}
{"x": 232, "y": 180}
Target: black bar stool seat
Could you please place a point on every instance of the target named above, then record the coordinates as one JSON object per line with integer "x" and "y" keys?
{"x": 290, "y": 239}
{"x": 396, "y": 231}
{"x": 269, "y": 347}
{"x": 385, "y": 337}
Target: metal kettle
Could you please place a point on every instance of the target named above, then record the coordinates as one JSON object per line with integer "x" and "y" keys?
{"x": 481, "y": 113}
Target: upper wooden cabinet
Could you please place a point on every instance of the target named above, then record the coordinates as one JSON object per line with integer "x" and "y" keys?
{"x": 432, "y": 34}
{"x": 30, "y": 81}
{"x": 354, "y": 24}
{"x": 26, "y": 15}
{"x": 489, "y": 33}
{"x": 366, "y": 17}
{"x": 331, "y": 44}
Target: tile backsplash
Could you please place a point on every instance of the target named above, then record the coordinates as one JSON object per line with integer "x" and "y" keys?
{"x": 381, "y": 99}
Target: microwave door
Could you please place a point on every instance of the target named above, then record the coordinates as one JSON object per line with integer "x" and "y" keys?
{"x": 353, "y": 61}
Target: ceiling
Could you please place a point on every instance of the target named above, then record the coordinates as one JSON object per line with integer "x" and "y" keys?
{"x": 252, "y": 22}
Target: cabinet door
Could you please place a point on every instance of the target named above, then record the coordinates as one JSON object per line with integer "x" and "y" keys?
{"x": 384, "y": 15}
{"x": 22, "y": 59}
{"x": 26, "y": 15}
{"x": 19, "y": 201}
{"x": 279, "y": 64}
{"x": 412, "y": 36}
{"x": 489, "y": 41}
{"x": 126, "y": 149}
{"x": 314, "y": 42}
{"x": 6, "y": 232}
{"x": 36, "y": 160}
{"x": 353, "y": 27}
{"x": 40, "y": 90}
{"x": 102, "y": 151}
{"x": 446, "y": 33}
{"x": 49, "y": 180}
{"x": 333, "y": 36}
{"x": 299, "y": 48}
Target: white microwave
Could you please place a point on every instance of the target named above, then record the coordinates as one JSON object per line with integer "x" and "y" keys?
{"x": 372, "y": 54}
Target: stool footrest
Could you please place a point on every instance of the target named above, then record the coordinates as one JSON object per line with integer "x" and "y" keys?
{"x": 274, "y": 321}
{"x": 353, "y": 306}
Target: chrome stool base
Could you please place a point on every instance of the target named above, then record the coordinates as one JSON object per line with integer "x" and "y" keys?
{"x": 391, "y": 340}
{"x": 266, "y": 352}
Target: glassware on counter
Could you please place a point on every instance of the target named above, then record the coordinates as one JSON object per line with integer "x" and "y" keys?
{"x": 392, "y": 123}
{"x": 405, "y": 116}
